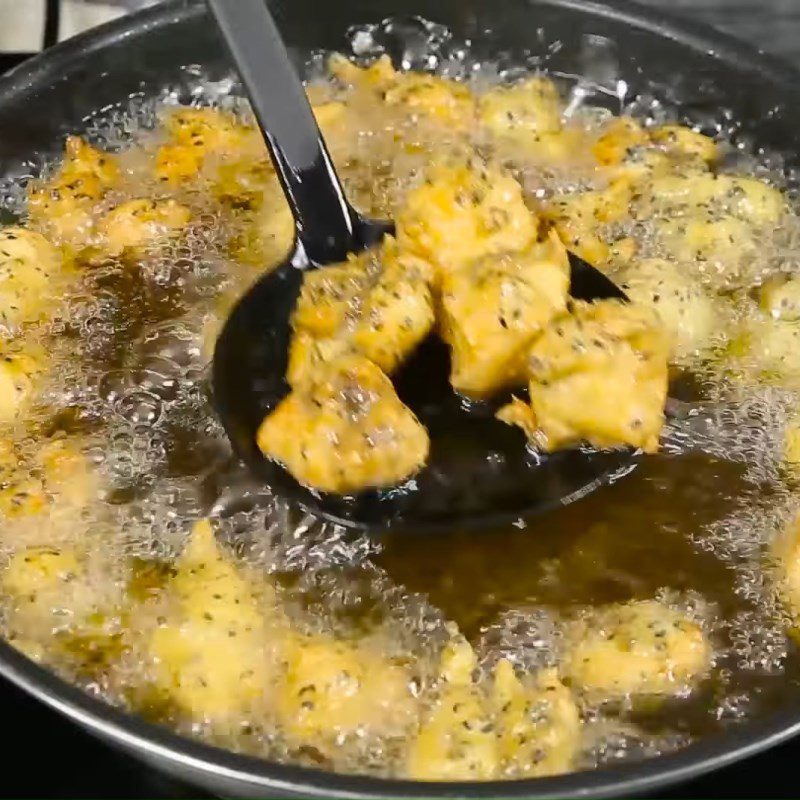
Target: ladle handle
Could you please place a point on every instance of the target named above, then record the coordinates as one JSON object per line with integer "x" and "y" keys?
{"x": 327, "y": 227}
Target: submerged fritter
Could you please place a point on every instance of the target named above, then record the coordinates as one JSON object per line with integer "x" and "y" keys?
{"x": 768, "y": 347}
{"x": 456, "y": 738}
{"x": 511, "y": 728}
{"x": 334, "y": 689}
{"x": 629, "y": 150}
{"x": 136, "y": 224}
{"x": 579, "y": 217}
{"x": 211, "y": 650}
{"x": 492, "y": 309}
{"x": 267, "y": 231}
{"x": 55, "y": 485}
{"x": 21, "y": 368}
{"x": 30, "y": 267}
{"x": 641, "y": 647}
{"x": 345, "y": 429}
{"x": 532, "y": 106}
{"x": 55, "y": 592}
{"x": 779, "y": 297}
{"x": 194, "y": 135}
{"x": 522, "y": 124}
{"x": 439, "y": 100}
{"x": 786, "y": 563}
{"x": 539, "y": 726}
{"x": 597, "y": 375}
{"x": 744, "y": 198}
{"x": 691, "y": 315}
{"x": 63, "y": 203}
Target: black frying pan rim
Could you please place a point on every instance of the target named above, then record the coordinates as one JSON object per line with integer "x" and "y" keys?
{"x": 155, "y": 742}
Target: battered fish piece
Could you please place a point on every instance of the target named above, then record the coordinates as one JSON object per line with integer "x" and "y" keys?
{"x": 378, "y": 305}
{"x": 639, "y": 648}
{"x": 492, "y": 309}
{"x": 345, "y": 429}
{"x": 464, "y": 213}
{"x": 597, "y": 375}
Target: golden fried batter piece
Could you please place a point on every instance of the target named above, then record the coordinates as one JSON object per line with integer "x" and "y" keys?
{"x": 29, "y": 269}
{"x": 509, "y": 727}
{"x": 211, "y": 654}
{"x": 334, "y": 688}
{"x": 137, "y": 224}
{"x": 492, "y": 309}
{"x": 597, "y": 375}
{"x": 463, "y": 213}
{"x": 438, "y": 99}
{"x": 641, "y": 647}
{"x": 691, "y": 315}
{"x": 194, "y": 135}
{"x": 378, "y": 305}
{"x": 63, "y": 203}
{"x": 345, "y": 429}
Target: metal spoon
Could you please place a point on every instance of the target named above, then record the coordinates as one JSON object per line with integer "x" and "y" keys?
{"x": 480, "y": 472}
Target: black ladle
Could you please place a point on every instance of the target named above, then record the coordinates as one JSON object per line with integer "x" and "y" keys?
{"x": 480, "y": 472}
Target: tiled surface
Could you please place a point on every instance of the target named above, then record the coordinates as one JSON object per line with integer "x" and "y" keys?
{"x": 22, "y": 21}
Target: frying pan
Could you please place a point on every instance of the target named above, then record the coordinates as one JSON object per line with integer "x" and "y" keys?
{"x": 53, "y": 94}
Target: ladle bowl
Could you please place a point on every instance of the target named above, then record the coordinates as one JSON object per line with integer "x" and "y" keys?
{"x": 480, "y": 471}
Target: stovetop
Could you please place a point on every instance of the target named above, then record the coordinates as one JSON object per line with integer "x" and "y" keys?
{"x": 72, "y": 764}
